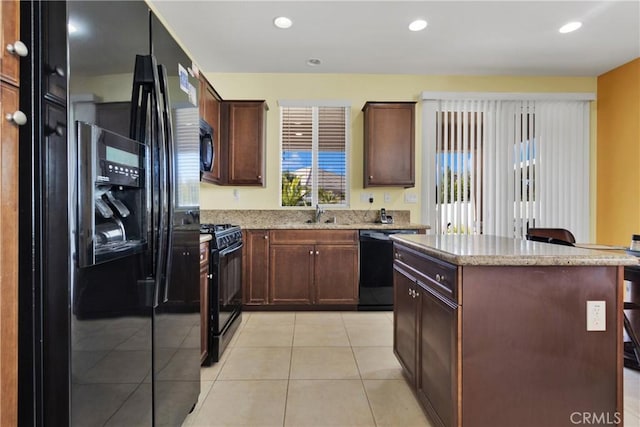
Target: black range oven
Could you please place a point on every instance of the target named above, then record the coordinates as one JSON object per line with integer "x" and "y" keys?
{"x": 225, "y": 291}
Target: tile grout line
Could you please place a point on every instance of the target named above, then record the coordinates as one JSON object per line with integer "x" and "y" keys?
{"x": 286, "y": 394}
{"x": 364, "y": 389}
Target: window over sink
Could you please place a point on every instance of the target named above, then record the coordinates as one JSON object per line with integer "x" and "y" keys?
{"x": 313, "y": 157}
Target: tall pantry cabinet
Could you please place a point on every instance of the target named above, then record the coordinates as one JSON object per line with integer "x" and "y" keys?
{"x": 12, "y": 49}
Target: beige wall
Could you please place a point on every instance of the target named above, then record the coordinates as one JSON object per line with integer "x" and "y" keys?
{"x": 618, "y": 190}
{"x": 356, "y": 89}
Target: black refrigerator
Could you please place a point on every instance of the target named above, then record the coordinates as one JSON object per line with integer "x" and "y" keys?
{"x": 109, "y": 267}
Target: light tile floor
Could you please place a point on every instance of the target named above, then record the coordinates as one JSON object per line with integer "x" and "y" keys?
{"x": 321, "y": 369}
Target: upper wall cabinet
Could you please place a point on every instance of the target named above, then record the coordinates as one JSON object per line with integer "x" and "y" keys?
{"x": 210, "y": 113}
{"x": 389, "y": 144}
{"x": 243, "y": 146}
{"x": 232, "y": 142}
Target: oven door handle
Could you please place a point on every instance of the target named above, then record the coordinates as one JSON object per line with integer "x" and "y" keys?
{"x": 231, "y": 249}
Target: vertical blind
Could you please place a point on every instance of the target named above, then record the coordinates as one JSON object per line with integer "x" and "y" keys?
{"x": 503, "y": 166}
{"x": 314, "y": 155}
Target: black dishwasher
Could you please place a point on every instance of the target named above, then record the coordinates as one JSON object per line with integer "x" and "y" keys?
{"x": 376, "y": 269}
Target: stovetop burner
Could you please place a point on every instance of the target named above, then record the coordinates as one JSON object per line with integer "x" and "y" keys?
{"x": 224, "y": 235}
{"x": 215, "y": 228}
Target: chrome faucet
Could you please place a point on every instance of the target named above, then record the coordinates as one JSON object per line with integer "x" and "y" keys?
{"x": 319, "y": 212}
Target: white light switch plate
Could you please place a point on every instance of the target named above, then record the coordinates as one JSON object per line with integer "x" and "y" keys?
{"x": 596, "y": 316}
{"x": 410, "y": 198}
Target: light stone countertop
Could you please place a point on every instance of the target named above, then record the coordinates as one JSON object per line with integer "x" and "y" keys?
{"x": 345, "y": 219}
{"x": 205, "y": 238}
{"x": 334, "y": 226}
{"x": 493, "y": 250}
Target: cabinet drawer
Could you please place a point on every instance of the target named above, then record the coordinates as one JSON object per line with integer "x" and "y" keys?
{"x": 311, "y": 237}
{"x": 434, "y": 273}
{"x": 204, "y": 253}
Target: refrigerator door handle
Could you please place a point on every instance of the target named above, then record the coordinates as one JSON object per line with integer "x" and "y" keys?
{"x": 146, "y": 116}
{"x": 163, "y": 224}
{"x": 170, "y": 176}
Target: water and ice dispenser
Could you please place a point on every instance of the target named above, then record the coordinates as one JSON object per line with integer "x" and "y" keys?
{"x": 113, "y": 199}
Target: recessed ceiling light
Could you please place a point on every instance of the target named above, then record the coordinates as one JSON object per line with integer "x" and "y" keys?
{"x": 282, "y": 22}
{"x": 314, "y": 62}
{"x": 418, "y": 25}
{"x": 569, "y": 27}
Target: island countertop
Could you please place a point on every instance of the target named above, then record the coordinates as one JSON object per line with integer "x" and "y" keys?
{"x": 494, "y": 250}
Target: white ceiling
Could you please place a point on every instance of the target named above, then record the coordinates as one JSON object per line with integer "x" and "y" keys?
{"x": 463, "y": 37}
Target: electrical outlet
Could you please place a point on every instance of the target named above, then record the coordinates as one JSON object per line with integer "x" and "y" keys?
{"x": 236, "y": 194}
{"x": 366, "y": 197}
{"x": 387, "y": 198}
{"x": 410, "y": 198}
{"x": 596, "y": 316}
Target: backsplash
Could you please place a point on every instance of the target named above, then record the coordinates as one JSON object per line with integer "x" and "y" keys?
{"x": 262, "y": 218}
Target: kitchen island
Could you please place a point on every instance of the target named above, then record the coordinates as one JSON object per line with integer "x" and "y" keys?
{"x": 493, "y": 331}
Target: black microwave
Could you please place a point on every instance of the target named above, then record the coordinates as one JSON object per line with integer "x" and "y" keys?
{"x": 207, "y": 147}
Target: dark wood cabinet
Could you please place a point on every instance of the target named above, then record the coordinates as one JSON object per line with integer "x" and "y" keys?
{"x": 239, "y": 133}
{"x": 255, "y": 286}
{"x": 291, "y": 273}
{"x": 336, "y": 274}
{"x": 405, "y": 323}
{"x": 483, "y": 344}
{"x": 243, "y": 146}
{"x": 389, "y": 144}
{"x": 436, "y": 375}
{"x": 210, "y": 113}
{"x": 205, "y": 279}
{"x": 300, "y": 267}
{"x": 426, "y": 331}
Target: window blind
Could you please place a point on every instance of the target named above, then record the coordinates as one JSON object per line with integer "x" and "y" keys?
{"x": 502, "y": 166}
{"x": 314, "y": 156}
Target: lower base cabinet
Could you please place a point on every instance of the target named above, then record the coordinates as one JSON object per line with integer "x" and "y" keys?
{"x": 507, "y": 345}
{"x": 300, "y": 268}
{"x": 205, "y": 278}
{"x": 425, "y": 343}
{"x": 255, "y": 262}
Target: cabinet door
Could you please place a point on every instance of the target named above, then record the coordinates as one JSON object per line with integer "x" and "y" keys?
{"x": 9, "y": 63}
{"x": 204, "y": 301}
{"x": 389, "y": 139}
{"x": 437, "y": 384}
{"x": 256, "y": 267}
{"x": 210, "y": 113}
{"x": 9, "y": 256}
{"x": 336, "y": 274}
{"x": 405, "y": 323}
{"x": 291, "y": 273}
{"x": 245, "y": 141}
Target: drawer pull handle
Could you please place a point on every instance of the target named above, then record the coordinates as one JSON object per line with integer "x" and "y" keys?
{"x": 439, "y": 278}
{"x": 201, "y": 256}
{"x": 266, "y": 237}
{"x": 317, "y": 252}
{"x": 209, "y": 276}
{"x": 310, "y": 252}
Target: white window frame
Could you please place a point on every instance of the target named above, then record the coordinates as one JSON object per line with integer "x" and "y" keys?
{"x": 315, "y": 104}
